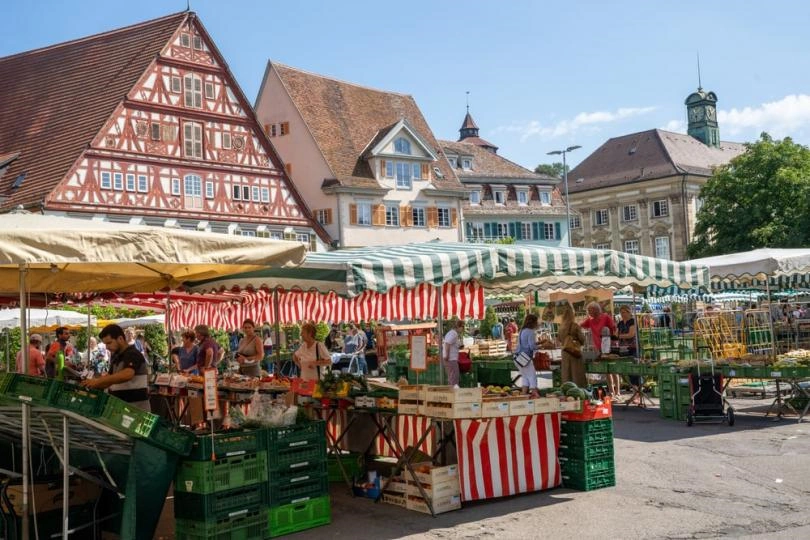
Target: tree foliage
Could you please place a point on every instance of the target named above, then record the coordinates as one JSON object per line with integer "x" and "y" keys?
{"x": 551, "y": 169}
{"x": 759, "y": 199}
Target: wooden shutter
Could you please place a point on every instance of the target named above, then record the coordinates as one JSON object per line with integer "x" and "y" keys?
{"x": 378, "y": 215}
{"x": 536, "y": 230}
{"x": 488, "y": 230}
{"x": 512, "y": 227}
{"x": 382, "y": 168}
{"x": 468, "y": 228}
{"x": 542, "y": 227}
{"x": 453, "y": 217}
{"x": 352, "y": 214}
{"x": 288, "y": 167}
{"x": 328, "y": 216}
{"x": 404, "y": 215}
{"x": 557, "y": 231}
{"x": 432, "y": 217}
{"x": 425, "y": 171}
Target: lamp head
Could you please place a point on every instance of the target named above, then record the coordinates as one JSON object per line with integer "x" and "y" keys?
{"x": 554, "y": 153}
{"x": 570, "y": 148}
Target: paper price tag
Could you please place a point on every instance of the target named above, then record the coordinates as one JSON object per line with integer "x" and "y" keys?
{"x": 210, "y": 394}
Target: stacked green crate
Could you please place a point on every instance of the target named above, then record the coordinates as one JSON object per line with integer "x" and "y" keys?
{"x": 220, "y": 491}
{"x": 298, "y": 487}
{"x": 586, "y": 454}
{"x": 675, "y": 395}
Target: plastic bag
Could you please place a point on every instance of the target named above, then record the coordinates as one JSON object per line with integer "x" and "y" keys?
{"x": 290, "y": 416}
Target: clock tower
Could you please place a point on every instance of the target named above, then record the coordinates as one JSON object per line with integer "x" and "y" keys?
{"x": 701, "y": 112}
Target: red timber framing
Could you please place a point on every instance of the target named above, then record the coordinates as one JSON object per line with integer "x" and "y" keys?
{"x": 184, "y": 143}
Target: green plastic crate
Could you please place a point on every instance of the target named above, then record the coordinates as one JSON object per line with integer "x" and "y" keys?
{"x": 587, "y": 451}
{"x": 594, "y": 481}
{"x": 352, "y": 462}
{"x": 33, "y": 390}
{"x": 587, "y": 428}
{"x": 221, "y": 475}
{"x": 299, "y": 436}
{"x": 579, "y": 440}
{"x": 176, "y": 440}
{"x": 584, "y": 468}
{"x": 123, "y": 416}
{"x": 220, "y": 505}
{"x": 291, "y": 518}
{"x": 498, "y": 376}
{"x": 300, "y": 487}
{"x": 84, "y": 401}
{"x": 251, "y": 526}
{"x": 228, "y": 443}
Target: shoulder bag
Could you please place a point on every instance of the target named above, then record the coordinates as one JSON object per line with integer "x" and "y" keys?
{"x": 571, "y": 345}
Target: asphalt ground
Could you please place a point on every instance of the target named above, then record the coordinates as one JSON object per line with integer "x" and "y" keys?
{"x": 751, "y": 480}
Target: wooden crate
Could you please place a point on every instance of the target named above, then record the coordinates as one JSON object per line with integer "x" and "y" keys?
{"x": 397, "y": 485}
{"x": 452, "y": 410}
{"x": 521, "y": 407}
{"x": 440, "y": 504}
{"x": 397, "y": 499}
{"x": 412, "y": 392}
{"x": 410, "y": 406}
{"x": 494, "y": 347}
{"x": 434, "y": 491}
{"x": 570, "y": 406}
{"x": 448, "y": 394}
{"x": 436, "y": 475}
{"x": 546, "y": 405}
{"x": 494, "y": 408}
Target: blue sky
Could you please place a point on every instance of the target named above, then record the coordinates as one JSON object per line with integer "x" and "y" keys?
{"x": 541, "y": 75}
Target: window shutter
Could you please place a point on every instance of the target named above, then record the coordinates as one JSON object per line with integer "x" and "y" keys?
{"x": 536, "y": 230}
{"x": 512, "y": 228}
{"x": 329, "y": 216}
{"x": 432, "y": 216}
{"x": 425, "y": 171}
{"x": 378, "y": 216}
{"x": 518, "y": 231}
{"x": 542, "y": 227}
{"x": 352, "y": 214}
{"x": 557, "y": 231}
{"x": 453, "y": 217}
{"x": 468, "y": 228}
{"x": 488, "y": 230}
{"x": 382, "y": 168}
{"x": 404, "y": 216}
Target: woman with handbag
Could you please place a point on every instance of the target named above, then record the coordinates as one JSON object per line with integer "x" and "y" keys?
{"x": 571, "y": 338}
{"x": 524, "y": 357}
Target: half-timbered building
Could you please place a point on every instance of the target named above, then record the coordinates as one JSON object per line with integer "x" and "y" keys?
{"x": 143, "y": 124}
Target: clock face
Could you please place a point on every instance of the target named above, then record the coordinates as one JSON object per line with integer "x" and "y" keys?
{"x": 710, "y": 113}
{"x": 695, "y": 114}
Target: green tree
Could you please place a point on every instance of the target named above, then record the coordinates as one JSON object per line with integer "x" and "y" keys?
{"x": 490, "y": 318}
{"x": 759, "y": 199}
{"x": 551, "y": 169}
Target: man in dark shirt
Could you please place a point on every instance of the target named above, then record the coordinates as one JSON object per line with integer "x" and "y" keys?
{"x": 128, "y": 378}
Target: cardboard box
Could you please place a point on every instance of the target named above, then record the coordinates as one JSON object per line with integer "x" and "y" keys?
{"x": 448, "y": 394}
{"x": 495, "y": 408}
{"x": 437, "y": 475}
{"x": 453, "y": 410}
{"x": 546, "y": 405}
{"x": 440, "y": 504}
{"x": 570, "y": 406}
{"x": 48, "y": 496}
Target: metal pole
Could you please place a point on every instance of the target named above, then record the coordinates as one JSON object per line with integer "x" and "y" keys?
{"x": 65, "y": 477}
{"x": 567, "y": 200}
{"x": 277, "y": 327}
{"x": 25, "y": 442}
{"x": 23, "y": 319}
{"x": 440, "y": 332}
{"x": 167, "y": 323}
{"x": 770, "y": 319}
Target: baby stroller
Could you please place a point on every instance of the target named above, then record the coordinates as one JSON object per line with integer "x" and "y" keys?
{"x": 708, "y": 401}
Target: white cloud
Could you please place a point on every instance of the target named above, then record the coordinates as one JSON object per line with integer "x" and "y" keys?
{"x": 779, "y": 118}
{"x": 678, "y": 126}
{"x": 586, "y": 121}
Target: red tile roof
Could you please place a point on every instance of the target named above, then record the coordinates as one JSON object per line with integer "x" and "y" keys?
{"x": 647, "y": 155}
{"x": 491, "y": 166}
{"x": 344, "y": 118}
{"x": 54, "y": 100}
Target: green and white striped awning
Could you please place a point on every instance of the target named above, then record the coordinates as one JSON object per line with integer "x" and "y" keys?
{"x": 533, "y": 266}
{"x": 759, "y": 269}
{"x": 499, "y": 267}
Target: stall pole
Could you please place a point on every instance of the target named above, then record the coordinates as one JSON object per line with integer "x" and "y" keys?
{"x": 277, "y": 328}
{"x": 25, "y": 464}
{"x": 8, "y": 351}
{"x": 440, "y": 332}
{"x": 637, "y": 340}
{"x": 770, "y": 319}
{"x": 167, "y": 322}
{"x": 89, "y": 332}
{"x": 23, "y": 318}
{"x": 65, "y": 476}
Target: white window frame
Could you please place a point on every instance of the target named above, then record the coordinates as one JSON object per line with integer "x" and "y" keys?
{"x": 265, "y": 194}
{"x": 466, "y": 164}
{"x": 524, "y": 195}
{"x": 192, "y": 185}
{"x": 603, "y": 245}
{"x": 392, "y": 215}
{"x": 192, "y": 91}
{"x": 575, "y": 222}
{"x": 130, "y": 182}
{"x": 663, "y": 208}
{"x": 453, "y": 162}
{"x": 657, "y": 248}
{"x": 321, "y": 215}
{"x": 192, "y": 140}
{"x": 226, "y": 141}
{"x": 175, "y": 186}
{"x": 364, "y": 213}
{"x": 418, "y": 216}
{"x": 502, "y": 193}
{"x": 526, "y": 230}
{"x": 255, "y": 194}
{"x": 631, "y": 246}
{"x": 185, "y": 40}
{"x": 477, "y": 231}
{"x": 197, "y": 43}
{"x": 548, "y": 231}
{"x": 403, "y": 173}
{"x": 106, "y": 180}
{"x": 501, "y": 230}
{"x": 629, "y": 213}
{"x": 245, "y": 192}
{"x": 601, "y": 217}
{"x": 475, "y": 197}
{"x": 208, "y": 90}
{"x": 443, "y": 217}
{"x": 118, "y": 181}
{"x": 209, "y": 189}
{"x": 545, "y": 197}
{"x": 390, "y": 169}
{"x": 402, "y": 146}
{"x": 176, "y": 84}
{"x": 417, "y": 172}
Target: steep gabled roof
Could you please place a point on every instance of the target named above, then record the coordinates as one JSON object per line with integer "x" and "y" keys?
{"x": 490, "y": 166}
{"x": 344, "y": 118}
{"x": 647, "y": 155}
{"x": 54, "y": 100}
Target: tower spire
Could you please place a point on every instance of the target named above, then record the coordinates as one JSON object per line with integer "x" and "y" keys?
{"x": 700, "y": 86}
{"x": 468, "y": 102}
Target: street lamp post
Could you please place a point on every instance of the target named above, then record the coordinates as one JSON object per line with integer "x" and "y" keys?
{"x": 565, "y": 182}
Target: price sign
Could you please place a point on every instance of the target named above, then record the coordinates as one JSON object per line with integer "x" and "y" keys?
{"x": 210, "y": 395}
{"x": 418, "y": 353}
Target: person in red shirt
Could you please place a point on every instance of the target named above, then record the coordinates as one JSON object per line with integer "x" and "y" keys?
{"x": 36, "y": 362}
{"x": 510, "y": 330}
{"x": 597, "y": 319}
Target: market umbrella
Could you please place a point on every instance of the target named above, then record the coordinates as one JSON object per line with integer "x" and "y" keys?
{"x": 12, "y": 318}
{"x": 760, "y": 268}
{"x": 142, "y": 321}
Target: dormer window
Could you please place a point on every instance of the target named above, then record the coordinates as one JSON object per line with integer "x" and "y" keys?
{"x": 523, "y": 197}
{"x": 466, "y": 164}
{"x": 499, "y": 196}
{"x": 453, "y": 162}
{"x": 475, "y": 197}
{"x": 402, "y": 146}
{"x": 545, "y": 198}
